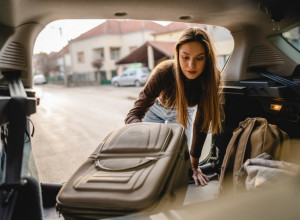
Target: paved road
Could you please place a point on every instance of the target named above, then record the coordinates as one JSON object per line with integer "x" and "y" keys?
{"x": 71, "y": 122}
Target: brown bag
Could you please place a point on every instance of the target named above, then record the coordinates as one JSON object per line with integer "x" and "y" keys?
{"x": 253, "y": 137}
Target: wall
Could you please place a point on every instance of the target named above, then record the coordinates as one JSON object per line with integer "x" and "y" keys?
{"x": 88, "y": 45}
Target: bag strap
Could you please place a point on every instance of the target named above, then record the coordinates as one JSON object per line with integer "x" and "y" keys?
{"x": 241, "y": 148}
{"x": 243, "y": 127}
{"x": 229, "y": 152}
{"x": 15, "y": 144}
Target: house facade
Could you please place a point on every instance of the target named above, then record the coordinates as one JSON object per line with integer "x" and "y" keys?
{"x": 63, "y": 62}
{"x": 108, "y": 42}
{"x": 164, "y": 43}
{"x": 161, "y": 48}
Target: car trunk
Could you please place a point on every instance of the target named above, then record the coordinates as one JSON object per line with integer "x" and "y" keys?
{"x": 259, "y": 98}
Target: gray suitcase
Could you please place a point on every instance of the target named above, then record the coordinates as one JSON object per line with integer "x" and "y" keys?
{"x": 138, "y": 167}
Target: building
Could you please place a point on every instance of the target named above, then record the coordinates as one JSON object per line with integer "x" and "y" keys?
{"x": 64, "y": 64}
{"x": 161, "y": 48}
{"x": 108, "y": 42}
{"x": 40, "y": 63}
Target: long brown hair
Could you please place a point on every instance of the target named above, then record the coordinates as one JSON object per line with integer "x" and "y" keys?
{"x": 209, "y": 109}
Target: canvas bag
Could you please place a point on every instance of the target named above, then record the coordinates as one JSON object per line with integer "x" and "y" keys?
{"x": 253, "y": 137}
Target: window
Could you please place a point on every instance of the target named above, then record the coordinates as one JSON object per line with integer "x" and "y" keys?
{"x": 132, "y": 73}
{"x": 146, "y": 70}
{"x": 80, "y": 57}
{"x": 293, "y": 37}
{"x": 115, "y": 53}
{"x": 98, "y": 53}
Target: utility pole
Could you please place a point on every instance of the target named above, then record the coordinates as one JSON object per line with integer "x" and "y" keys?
{"x": 64, "y": 61}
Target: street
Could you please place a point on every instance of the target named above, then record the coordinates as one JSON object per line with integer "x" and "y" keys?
{"x": 71, "y": 122}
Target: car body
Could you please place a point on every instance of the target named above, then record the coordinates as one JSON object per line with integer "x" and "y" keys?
{"x": 132, "y": 77}
{"x": 39, "y": 79}
{"x": 262, "y": 71}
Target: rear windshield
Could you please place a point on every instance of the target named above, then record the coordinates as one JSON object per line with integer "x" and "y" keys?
{"x": 293, "y": 37}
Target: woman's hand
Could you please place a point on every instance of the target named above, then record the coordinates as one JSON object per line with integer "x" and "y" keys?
{"x": 198, "y": 176}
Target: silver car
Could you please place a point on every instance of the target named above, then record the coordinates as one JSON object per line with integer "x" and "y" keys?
{"x": 132, "y": 77}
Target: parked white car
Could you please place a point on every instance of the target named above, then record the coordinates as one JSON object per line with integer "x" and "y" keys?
{"x": 132, "y": 77}
{"x": 39, "y": 79}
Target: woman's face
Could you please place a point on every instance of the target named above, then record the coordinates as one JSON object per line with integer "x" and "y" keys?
{"x": 192, "y": 59}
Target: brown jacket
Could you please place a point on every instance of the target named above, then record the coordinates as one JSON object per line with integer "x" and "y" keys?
{"x": 160, "y": 85}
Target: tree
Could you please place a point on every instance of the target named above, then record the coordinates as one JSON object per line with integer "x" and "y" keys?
{"x": 97, "y": 64}
{"x": 44, "y": 63}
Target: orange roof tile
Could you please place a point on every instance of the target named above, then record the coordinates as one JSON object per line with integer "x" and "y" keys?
{"x": 120, "y": 27}
{"x": 165, "y": 47}
{"x": 160, "y": 49}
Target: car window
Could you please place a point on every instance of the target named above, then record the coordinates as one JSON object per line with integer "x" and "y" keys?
{"x": 293, "y": 37}
{"x": 145, "y": 70}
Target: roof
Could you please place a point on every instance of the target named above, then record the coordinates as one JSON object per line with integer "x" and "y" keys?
{"x": 140, "y": 55}
{"x": 166, "y": 48}
{"x": 119, "y": 27}
{"x": 62, "y": 52}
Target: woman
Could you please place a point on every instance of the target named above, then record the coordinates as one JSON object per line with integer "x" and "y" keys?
{"x": 177, "y": 87}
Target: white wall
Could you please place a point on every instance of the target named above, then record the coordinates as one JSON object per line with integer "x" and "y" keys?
{"x": 87, "y": 46}
{"x": 135, "y": 39}
{"x": 168, "y": 37}
{"x": 221, "y": 36}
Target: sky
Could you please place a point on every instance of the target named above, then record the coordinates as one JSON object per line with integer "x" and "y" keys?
{"x": 57, "y": 34}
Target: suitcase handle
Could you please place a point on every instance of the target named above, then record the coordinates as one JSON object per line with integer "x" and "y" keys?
{"x": 149, "y": 161}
